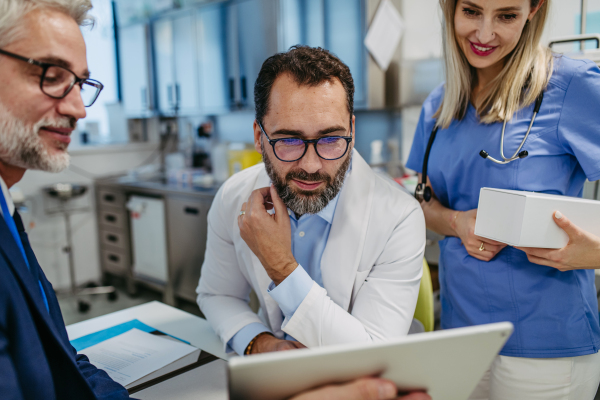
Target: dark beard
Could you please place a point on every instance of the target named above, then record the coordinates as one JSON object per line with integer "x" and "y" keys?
{"x": 306, "y": 202}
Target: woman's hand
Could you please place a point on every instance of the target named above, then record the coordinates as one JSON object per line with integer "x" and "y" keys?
{"x": 481, "y": 248}
{"x": 448, "y": 222}
{"x": 582, "y": 251}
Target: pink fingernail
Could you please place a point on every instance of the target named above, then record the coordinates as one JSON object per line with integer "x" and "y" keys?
{"x": 387, "y": 390}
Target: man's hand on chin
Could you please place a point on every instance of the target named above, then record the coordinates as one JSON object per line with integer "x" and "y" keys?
{"x": 268, "y": 236}
{"x": 268, "y": 343}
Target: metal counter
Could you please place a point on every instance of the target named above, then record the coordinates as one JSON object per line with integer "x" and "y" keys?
{"x": 186, "y": 209}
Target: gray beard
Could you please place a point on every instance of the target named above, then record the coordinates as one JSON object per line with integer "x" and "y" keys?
{"x": 21, "y": 145}
{"x": 306, "y": 202}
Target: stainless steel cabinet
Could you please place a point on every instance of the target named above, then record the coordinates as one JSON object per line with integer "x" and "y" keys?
{"x": 187, "y": 230}
{"x": 134, "y": 67}
{"x": 113, "y": 233}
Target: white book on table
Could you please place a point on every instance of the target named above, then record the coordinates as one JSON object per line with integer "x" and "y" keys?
{"x": 136, "y": 357}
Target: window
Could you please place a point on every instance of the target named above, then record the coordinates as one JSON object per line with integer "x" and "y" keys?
{"x": 105, "y": 122}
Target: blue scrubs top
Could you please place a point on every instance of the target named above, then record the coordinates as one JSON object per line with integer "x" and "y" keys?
{"x": 555, "y": 313}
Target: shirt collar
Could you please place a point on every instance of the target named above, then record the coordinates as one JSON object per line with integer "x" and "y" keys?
{"x": 329, "y": 210}
{"x": 7, "y": 197}
{"x": 326, "y": 213}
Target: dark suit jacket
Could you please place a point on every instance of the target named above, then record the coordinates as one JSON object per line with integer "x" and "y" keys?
{"x": 36, "y": 359}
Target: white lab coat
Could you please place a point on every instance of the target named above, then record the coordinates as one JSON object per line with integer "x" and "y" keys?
{"x": 371, "y": 266}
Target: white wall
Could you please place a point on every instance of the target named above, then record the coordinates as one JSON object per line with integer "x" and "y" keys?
{"x": 422, "y": 37}
{"x": 47, "y": 232}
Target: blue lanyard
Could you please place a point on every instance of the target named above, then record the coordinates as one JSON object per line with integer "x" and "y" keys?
{"x": 12, "y": 227}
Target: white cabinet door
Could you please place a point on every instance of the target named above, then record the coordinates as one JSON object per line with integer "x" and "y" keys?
{"x": 315, "y": 23}
{"x": 290, "y": 23}
{"x": 163, "y": 57}
{"x": 149, "y": 237}
{"x": 336, "y": 25}
{"x": 134, "y": 70}
{"x": 344, "y": 34}
{"x": 258, "y": 36}
{"x": 233, "y": 56}
{"x": 186, "y": 68}
{"x": 212, "y": 65}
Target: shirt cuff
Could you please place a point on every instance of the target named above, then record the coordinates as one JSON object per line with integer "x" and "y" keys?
{"x": 244, "y": 336}
{"x": 290, "y": 293}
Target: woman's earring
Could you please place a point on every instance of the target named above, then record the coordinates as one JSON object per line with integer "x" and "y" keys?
{"x": 526, "y": 22}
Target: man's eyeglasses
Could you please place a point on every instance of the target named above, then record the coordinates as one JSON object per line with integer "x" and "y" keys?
{"x": 293, "y": 149}
{"x": 57, "y": 82}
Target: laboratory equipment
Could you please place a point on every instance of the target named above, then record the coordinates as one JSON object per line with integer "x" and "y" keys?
{"x": 65, "y": 192}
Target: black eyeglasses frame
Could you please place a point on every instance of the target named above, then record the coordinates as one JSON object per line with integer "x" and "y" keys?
{"x": 273, "y": 142}
{"x": 45, "y": 66}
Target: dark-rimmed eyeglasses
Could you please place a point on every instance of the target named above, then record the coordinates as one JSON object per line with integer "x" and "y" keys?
{"x": 57, "y": 82}
{"x": 293, "y": 149}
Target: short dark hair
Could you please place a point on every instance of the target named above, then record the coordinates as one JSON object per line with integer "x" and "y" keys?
{"x": 308, "y": 66}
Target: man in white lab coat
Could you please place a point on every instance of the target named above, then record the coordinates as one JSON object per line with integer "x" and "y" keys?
{"x": 333, "y": 251}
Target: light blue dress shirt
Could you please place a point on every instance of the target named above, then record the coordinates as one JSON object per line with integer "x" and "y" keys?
{"x": 309, "y": 238}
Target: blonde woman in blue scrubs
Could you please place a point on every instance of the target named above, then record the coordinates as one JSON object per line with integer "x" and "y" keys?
{"x": 496, "y": 69}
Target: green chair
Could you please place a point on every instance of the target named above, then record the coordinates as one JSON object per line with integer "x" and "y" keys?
{"x": 424, "y": 309}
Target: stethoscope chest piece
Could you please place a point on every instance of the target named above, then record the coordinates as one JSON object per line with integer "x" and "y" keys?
{"x": 519, "y": 153}
{"x": 423, "y": 192}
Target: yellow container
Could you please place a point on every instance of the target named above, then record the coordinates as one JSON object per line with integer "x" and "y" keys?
{"x": 242, "y": 158}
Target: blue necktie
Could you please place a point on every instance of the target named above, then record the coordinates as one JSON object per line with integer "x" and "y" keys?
{"x": 12, "y": 227}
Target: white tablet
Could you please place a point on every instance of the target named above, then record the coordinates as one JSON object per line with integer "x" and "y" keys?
{"x": 447, "y": 364}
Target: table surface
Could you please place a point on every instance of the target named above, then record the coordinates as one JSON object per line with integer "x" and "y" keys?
{"x": 208, "y": 381}
{"x": 158, "y": 315}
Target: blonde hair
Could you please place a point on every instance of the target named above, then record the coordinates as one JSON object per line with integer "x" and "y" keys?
{"x": 12, "y": 13}
{"x": 525, "y": 74}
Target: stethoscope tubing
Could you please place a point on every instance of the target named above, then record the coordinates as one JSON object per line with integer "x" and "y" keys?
{"x": 422, "y": 192}
{"x": 516, "y": 155}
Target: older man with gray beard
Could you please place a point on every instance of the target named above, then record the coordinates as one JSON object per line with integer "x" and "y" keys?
{"x": 333, "y": 251}
{"x": 44, "y": 89}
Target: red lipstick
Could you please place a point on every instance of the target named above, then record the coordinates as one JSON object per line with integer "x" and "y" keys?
{"x": 482, "y": 50}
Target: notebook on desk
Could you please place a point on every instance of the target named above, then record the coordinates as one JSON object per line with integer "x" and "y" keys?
{"x": 139, "y": 356}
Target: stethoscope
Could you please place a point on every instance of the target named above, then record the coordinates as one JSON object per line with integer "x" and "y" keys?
{"x": 423, "y": 192}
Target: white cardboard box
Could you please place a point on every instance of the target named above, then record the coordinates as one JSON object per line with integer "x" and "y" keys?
{"x": 524, "y": 219}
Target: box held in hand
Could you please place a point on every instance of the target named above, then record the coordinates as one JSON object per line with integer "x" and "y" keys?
{"x": 524, "y": 219}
